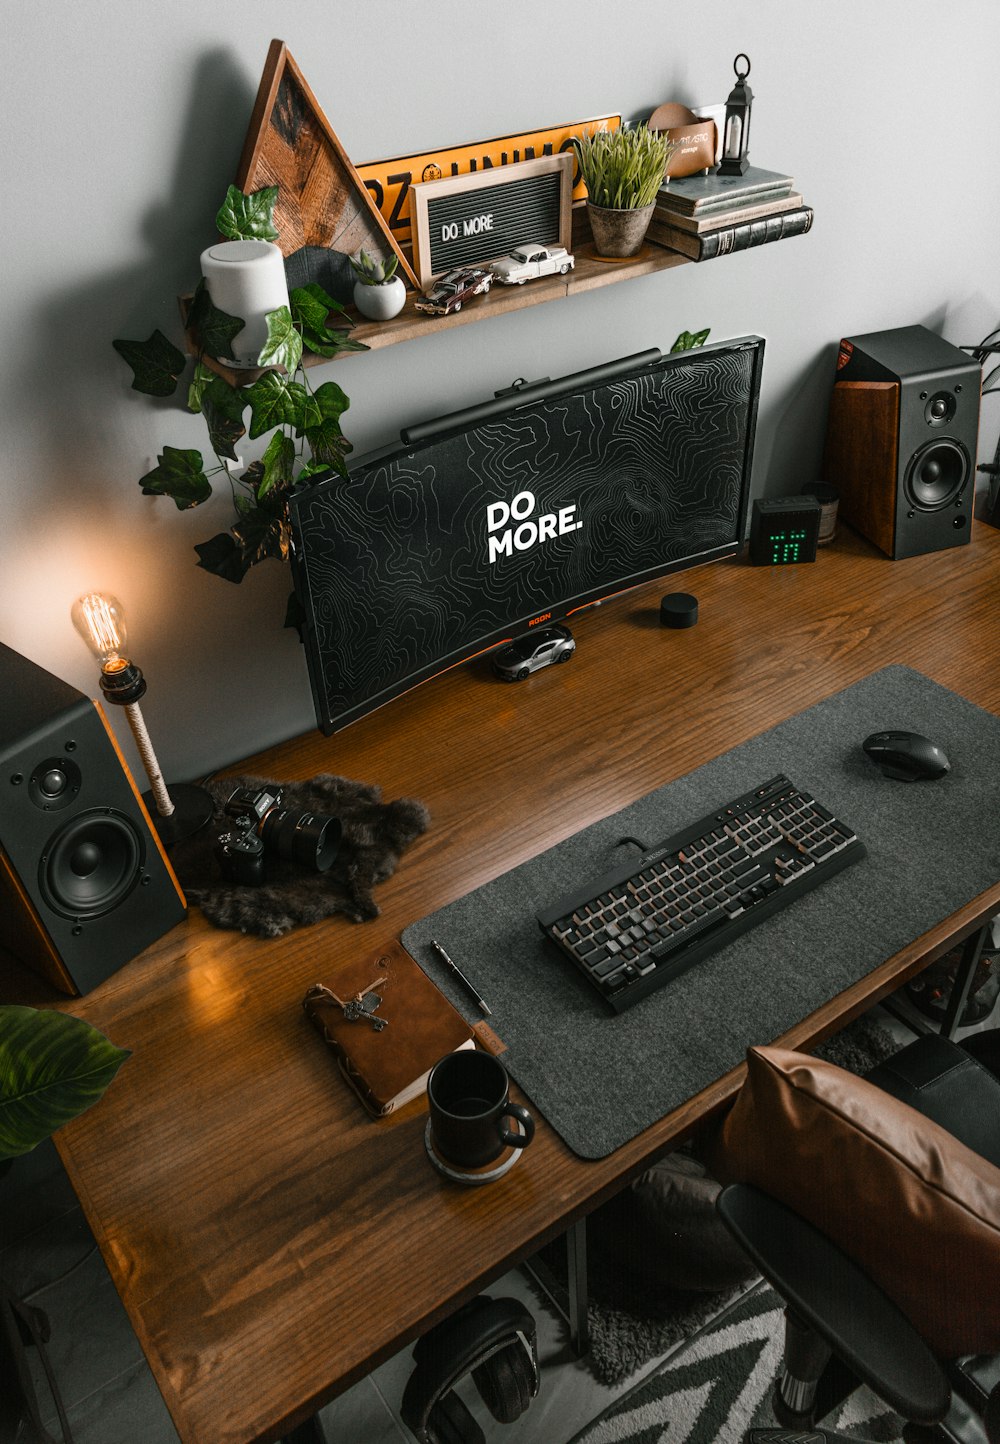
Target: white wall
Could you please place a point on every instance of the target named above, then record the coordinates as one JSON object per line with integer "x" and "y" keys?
{"x": 123, "y": 124}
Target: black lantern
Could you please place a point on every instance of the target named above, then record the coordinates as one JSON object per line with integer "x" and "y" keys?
{"x": 736, "y": 135}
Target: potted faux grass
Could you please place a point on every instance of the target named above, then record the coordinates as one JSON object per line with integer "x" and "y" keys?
{"x": 623, "y": 171}
{"x": 52, "y": 1068}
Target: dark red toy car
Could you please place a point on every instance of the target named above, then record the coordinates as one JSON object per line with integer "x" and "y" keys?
{"x": 454, "y": 287}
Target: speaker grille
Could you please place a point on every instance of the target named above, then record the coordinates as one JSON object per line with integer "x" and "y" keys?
{"x": 92, "y": 864}
{"x": 936, "y": 475}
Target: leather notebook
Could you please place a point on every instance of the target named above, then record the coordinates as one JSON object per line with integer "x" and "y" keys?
{"x": 387, "y": 1024}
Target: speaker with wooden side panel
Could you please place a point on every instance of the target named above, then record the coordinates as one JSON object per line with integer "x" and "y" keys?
{"x": 84, "y": 882}
{"x": 901, "y": 439}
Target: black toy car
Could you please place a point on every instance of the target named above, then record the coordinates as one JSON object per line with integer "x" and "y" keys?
{"x": 454, "y": 287}
{"x": 535, "y": 650}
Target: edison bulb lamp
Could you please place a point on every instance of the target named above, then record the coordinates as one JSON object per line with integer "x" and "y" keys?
{"x": 100, "y": 620}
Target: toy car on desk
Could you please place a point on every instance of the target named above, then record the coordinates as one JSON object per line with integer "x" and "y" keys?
{"x": 537, "y": 649}
{"x": 525, "y": 263}
{"x": 454, "y": 287}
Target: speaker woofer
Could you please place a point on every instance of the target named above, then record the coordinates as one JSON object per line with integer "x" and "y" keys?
{"x": 91, "y": 864}
{"x": 936, "y": 475}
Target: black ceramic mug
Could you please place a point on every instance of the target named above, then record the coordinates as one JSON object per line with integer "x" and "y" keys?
{"x": 469, "y": 1097}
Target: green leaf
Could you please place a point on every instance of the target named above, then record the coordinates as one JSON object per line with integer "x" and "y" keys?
{"x": 315, "y": 292}
{"x": 326, "y": 441}
{"x": 223, "y": 557}
{"x": 52, "y": 1068}
{"x": 330, "y": 342}
{"x": 248, "y": 217}
{"x": 253, "y": 477}
{"x": 311, "y": 468}
{"x": 261, "y": 534}
{"x": 201, "y": 379}
{"x": 283, "y": 346}
{"x": 303, "y": 410}
{"x": 223, "y": 407}
{"x": 278, "y": 461}
{"x": 310, "y": 306}
{"x": 180, "y": 474}
{"x": 213, "y": 329}
{"x": 331, "y": 400}
{"x": 688, "y": 340}
{"x": 156, "y": 364}
{"x": 276, "y": 401}
{"x": 268, "y": 403}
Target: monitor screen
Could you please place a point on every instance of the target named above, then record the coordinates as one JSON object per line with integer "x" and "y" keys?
{"x": 481, "y": 524}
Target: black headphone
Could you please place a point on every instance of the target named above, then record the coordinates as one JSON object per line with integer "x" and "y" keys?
{"x": 494, "y": 1340}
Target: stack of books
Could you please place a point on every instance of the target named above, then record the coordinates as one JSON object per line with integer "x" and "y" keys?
{"x": 704, "y": 216}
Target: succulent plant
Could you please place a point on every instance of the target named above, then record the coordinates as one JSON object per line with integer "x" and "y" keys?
{"x": 373, "y": 272}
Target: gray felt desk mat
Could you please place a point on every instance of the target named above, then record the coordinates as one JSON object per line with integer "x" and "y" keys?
{"x": 599, "y": 1078}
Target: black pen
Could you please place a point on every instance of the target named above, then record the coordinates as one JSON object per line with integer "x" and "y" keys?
{"x": 450, "y": 963}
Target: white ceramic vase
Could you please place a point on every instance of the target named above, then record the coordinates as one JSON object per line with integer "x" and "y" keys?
{"x": 246, "y": 279}
{"x": 380, "y": 303}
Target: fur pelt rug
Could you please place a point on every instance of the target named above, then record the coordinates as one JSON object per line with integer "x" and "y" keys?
{"x": 374, "y": 835}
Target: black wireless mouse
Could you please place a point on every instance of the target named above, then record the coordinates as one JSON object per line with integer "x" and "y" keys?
{"x": 907, "y": 756}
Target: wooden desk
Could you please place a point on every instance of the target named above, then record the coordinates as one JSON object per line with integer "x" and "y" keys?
{"x": 271, "y": 1243}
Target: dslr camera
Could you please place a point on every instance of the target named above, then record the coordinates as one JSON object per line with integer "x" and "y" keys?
{"x": 262, "y": 827}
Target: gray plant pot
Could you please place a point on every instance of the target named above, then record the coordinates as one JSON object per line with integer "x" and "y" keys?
{"x": 618, "y": 233}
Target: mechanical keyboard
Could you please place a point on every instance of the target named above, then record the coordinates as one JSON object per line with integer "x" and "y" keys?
{"x": 634, "y": 929}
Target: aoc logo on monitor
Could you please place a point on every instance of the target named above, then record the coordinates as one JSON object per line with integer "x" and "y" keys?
{"x": 513, "y": 527}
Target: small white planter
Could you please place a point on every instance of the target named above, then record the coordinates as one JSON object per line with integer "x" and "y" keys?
{"x": 380, "y": 303}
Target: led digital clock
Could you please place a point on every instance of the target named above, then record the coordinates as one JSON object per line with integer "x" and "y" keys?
{"x": 784, "y": 530}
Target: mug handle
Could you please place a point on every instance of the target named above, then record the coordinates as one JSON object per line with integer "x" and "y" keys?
{"x": 517, "y": 1140}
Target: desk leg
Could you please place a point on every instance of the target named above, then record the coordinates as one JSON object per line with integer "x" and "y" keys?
{"x": 971, "y": 951}
{"x": 576, "y": 1268}
{"x": 570, "y": 1302}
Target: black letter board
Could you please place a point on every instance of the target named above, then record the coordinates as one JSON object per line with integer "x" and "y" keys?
{"x": 470, "y": 220}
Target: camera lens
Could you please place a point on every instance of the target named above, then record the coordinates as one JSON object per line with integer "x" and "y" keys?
{"x": 302, "y": 837}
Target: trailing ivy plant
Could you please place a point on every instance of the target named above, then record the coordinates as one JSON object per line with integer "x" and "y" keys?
{"x": 304, "y": 423}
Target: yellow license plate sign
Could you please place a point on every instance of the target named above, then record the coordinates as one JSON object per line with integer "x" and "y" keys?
{"x": 389, "y": 181}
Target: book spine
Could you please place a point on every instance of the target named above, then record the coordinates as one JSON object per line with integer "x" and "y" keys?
{"x": 726, "y": 239}
{"x": 350, "y": 1074}
{"x": 732, "y": 216}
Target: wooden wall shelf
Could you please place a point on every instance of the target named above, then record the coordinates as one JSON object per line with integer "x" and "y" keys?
{"x": 590, "y": 274}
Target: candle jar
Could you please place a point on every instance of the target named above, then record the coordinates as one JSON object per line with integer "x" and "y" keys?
{"x": 828, "y": 497}
{"x": 246, "y": 279}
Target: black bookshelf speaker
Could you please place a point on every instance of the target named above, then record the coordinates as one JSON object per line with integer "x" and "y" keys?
{"x": 902, "y": 439}
{"x": 84, "y": 882}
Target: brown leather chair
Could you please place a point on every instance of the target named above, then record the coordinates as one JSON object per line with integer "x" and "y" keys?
{"x": 842, "y": 1329}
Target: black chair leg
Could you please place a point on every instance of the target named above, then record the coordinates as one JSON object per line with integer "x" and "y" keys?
{"x": 806, "y": 1356}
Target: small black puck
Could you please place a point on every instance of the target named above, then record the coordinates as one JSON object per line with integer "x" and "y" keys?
{"x": 679, "y": 609}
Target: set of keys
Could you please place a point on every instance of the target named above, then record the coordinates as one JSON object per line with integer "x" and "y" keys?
{"x": 361, "y": 1006}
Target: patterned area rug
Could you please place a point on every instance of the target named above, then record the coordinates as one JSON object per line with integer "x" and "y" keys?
{"x": 714, "y": 1388}
{"x": 635, "y": 1314}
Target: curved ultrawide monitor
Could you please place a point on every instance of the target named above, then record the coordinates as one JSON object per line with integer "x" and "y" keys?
{"x": 528, "y": 507}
